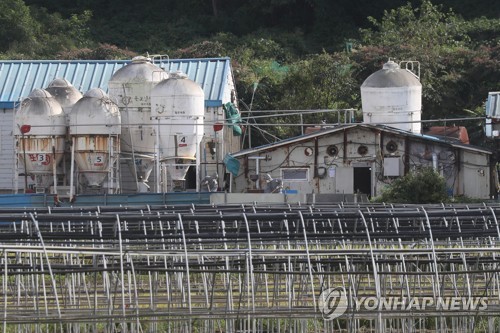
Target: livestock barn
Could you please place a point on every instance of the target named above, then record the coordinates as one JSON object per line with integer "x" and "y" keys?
{"x": 355, "y": 161}
{"x": 335, "y": 163}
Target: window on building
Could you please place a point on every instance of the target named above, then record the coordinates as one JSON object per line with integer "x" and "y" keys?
{"x": 295, "y": 174}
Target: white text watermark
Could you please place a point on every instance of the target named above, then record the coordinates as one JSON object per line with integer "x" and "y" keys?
{"x": 333, "y": 303}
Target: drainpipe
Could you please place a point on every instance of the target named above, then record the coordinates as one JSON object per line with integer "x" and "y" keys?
{"x": 345, "y": 146}
{"x": 407, "y": 156}
{"x": 25, "y": 165}
{"x": 315, "y": 157}
{"x": 435, "y": 162}
{"x": 316, "y": 177}
{"x": 54, "y": 166}
{"x": 72, "y": 168}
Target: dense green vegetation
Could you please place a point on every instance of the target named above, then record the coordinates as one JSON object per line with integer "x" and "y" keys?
{"x": 423, "y": 187}
{"x": 287, "y": 54}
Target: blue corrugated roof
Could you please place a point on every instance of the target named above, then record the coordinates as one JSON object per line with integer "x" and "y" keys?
{"x": 19, "y": 77}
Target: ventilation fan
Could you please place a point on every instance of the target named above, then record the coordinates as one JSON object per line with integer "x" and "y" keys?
{"x": 332, "y": 150}
{"x": 362, "y": 150}
{"x": 391, "y": 146}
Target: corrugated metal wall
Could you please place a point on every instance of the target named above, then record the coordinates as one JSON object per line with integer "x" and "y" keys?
{"x": 7, "y": 159}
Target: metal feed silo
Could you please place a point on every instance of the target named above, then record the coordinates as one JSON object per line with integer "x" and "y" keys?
{"x": 94, "y": 128}
{"x": 65, "y": 93}
{"x": 393, "y": 96}
{"x": 40, "y": 130}
{"x": 177, "y": 107}
{"x": 131, "y": 87}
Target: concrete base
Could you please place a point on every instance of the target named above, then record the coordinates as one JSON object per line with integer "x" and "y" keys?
{"x": 263, "y": 198}
{"x": 249, "y": 198}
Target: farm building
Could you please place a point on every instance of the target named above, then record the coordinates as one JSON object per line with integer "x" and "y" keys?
{"x": 335, "y": 163}
{"x": 349, "y": 162}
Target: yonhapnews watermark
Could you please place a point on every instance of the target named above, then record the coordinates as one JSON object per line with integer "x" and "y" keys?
{"x": 333, "y": 303}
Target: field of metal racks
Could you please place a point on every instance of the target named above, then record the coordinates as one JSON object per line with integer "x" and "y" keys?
{"x": 251, "y": 268}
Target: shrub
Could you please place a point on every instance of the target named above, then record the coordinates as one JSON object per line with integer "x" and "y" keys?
{"x": 422, "y": 186}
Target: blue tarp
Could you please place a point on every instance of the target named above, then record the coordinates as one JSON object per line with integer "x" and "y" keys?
{"x": 232, "y": 164}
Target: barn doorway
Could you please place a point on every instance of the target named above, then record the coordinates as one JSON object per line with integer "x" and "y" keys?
{"x": 363, "y": 180}
{"x": 191, "y": 178}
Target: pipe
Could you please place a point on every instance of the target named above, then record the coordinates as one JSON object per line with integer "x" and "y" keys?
{"x": 435, "y": 165}
{"x": 25, "y": 166}
{"x": 54, "y": 165}
{"x": 257, "y": 168}
{"x": 72, "y": 169}
{"x": 157, "y": 159}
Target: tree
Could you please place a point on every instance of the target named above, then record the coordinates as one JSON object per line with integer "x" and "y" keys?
{"x": 322, "y": 81}
{"x": 428, "y": 35}
{"x": 57, "y": 35}
{"x": 99, "y": 52}
{"x": 421, "y": 186}
{"x": 18, "y": 32}
{"x": 426, "y": 28}
{"x": 33, "y": 32}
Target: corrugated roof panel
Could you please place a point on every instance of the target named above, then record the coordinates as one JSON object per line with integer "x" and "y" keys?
{"x": 27, "y": 85}
{"x": 18, "y": 78}
{"x": 14, "y": 72}
{"x": 196, "y": 72}
{"x": 81, "y": 81}
{"x": 71, "y": 73}
{"x": 212, "y": 67}
{"x": 209, "y": 73}
{"x": 42, "y": 78}
{"x": 219, "y": 72}
{"x": 204, "y": 81}
{"x": 225, "y": 72}
{"x": 3, "y": 78}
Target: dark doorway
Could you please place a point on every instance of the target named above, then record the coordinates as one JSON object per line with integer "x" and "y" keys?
{"x": 363, "y": 180}
{"x": 191, "y": 178}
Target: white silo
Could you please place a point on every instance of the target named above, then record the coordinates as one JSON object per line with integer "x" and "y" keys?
{"x": 131, "y": 87}
{"x": 393, "y": 96}
{"x": 40, "y": 130}
{"x": 177, "y": 107}
{"x": 94, "y": 127}
{"x": 65, "y": 93}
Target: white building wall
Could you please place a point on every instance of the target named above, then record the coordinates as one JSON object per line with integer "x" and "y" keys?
{"x": 7, "y": 162}
{"x": 475, "y": 175}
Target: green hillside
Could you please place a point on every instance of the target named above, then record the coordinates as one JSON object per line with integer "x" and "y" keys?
{"x": 287, "y": 54}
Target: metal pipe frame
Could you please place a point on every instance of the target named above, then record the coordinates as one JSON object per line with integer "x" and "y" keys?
{"x": 247, "y": 268}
